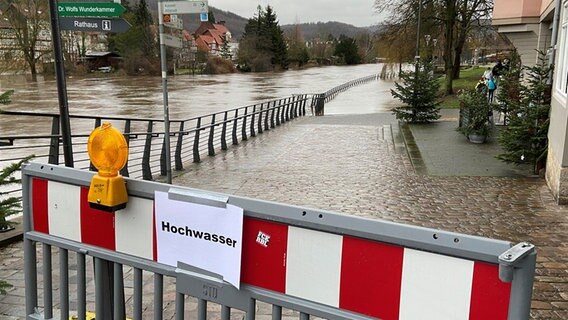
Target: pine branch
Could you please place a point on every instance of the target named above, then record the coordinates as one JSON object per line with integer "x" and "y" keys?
{"x": 5, "y": 98}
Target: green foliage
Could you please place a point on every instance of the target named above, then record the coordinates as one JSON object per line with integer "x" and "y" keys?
{"x": 297, "y": 50}
{"x": 475, "y": 110}
{"x": 419, "y": 93}
{"x": 262, "y": 46}
{"x": 348, "y": 50}
{"x": 509, "y": 93}
{"x": 6, "y": 97}
{"x": 9, "y": 205}
{"x": 226, "y": 49}
{"x": 525, "y": 139}
{"x": 138, "y": 45}
{"x": 211, "y": 16}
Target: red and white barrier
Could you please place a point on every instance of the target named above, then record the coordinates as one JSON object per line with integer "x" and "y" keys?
{"x": 368, "y": 277}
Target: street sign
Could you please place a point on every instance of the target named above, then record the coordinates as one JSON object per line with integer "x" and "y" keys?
{"x": 204, "y": 16}
{"x": 185, "y": 6}
{"x": 174, "y": 24}
{"x": 96, "y": 9}
{"x": 93, "y": 24}
{"x": 172, "y": 41}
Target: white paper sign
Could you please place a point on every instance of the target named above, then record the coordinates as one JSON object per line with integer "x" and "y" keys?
{"x": 205, "y": 237}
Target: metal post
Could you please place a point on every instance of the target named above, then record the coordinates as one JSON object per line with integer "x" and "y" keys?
{"x": 30, "y": 258}
{"x": 61, "y": 85}
{"x": 164, "y": 67}
{"x": 417, "y": 56}
{"x": 158, "y": 296}
{"x": 64, "y": 283}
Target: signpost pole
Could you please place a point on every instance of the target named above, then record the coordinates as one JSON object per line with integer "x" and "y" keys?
{"x": 164, "y": 68}
{"x": 61, "y": 85}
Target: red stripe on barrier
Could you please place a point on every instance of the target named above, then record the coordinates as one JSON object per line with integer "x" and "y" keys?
{"x": 39, "y": 205}
{"x": 371, "y": 276}
{"x": 489, "y": 295}
{"x": 97, "y": 227}
{"x": 264, "y": 254}
{"x": 154, "y": 236}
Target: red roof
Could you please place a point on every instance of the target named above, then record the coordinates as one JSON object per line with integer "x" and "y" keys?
{"x": 210, "y": 33}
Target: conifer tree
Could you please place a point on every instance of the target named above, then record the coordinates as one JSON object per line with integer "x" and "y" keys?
{"x": 226, "y": 49}
{"x": 509, "y": 92}
{"x": 262, "y": 46}
{"x": 348, "y": 50}
{"x": 525, "y": 139}
{"x": 419, "y": 93}
{"x": 9, "y": 205}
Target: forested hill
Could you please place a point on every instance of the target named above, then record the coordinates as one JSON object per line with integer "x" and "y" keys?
{"x": 236, "y": 24}
{"x": 321, "y": 30}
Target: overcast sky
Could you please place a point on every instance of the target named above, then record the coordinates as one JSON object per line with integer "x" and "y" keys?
{"x": 356, "y": 12}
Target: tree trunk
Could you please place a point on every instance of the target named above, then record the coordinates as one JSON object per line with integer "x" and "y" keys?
{"x": 32, "y": 64}
{"x": 458, "y": 50}
{"x": 457, "y": 60}
{"x": 33, "y": 70}
{"x": 449, "y": 35}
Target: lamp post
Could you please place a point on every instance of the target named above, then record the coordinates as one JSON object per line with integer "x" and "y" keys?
{"x": 428, "y": 37}
{"x": 435, "y": 50}
{"x": 417, "y": 56}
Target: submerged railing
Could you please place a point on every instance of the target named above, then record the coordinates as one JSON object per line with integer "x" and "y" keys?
{"x": 191, "y": 139}
{"x": 322, "y": 98}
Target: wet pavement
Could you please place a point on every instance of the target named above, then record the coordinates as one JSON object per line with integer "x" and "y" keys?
{"x": 354, "y": 164}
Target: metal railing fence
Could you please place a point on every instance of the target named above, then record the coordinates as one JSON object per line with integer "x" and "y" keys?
{"x": 191, "y": 139}
{"x": 317, "y": 263}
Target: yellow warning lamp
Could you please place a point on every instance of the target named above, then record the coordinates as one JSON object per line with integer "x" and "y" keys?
{"x": 108, "y": 152}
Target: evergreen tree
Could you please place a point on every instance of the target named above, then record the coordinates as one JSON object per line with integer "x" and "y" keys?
{"x": 525, "y": 139}
{"x": 9, "y": 205}
{"x": 137, "y": 46}
{"x": 211, "y": 16}
{"x": 509, "y": 93}
{"x": 262, "y": 46}
{"x": 348, "y": 50}
{"x": 277, "y": 45}
{"x": 419, "y": 93}
{"x": 226, "y": 49}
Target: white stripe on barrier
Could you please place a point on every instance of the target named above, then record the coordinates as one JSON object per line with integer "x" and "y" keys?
{"x": 136, "y": 219}
{"x": 305, "y": 263}
{"x": 435, "y": 286}
{"x": 313, "y": 265}
{"x": 64, "y": 207}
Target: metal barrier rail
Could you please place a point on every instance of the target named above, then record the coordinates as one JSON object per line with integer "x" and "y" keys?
{"x": 317, "y": 263}
{"x": 319, "y": 100}
{"x": 192, "y": 138}
{"x": 333, "y": 92}
{"x": 145, "y": 136}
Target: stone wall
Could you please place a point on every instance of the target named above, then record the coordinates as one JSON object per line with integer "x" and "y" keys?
{"x": 557, "y": 178}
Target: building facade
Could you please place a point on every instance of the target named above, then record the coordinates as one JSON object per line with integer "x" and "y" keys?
{"x": 543, "y": 25}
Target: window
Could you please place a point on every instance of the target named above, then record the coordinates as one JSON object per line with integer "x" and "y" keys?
{"x": 562, "y": 54}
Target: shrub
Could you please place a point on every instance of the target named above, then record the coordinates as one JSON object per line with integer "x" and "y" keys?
{"x": 419, "y": 93}
{"x": 475, "y": 110}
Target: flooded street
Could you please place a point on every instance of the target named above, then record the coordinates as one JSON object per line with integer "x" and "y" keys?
{"x": 189, "y": 96}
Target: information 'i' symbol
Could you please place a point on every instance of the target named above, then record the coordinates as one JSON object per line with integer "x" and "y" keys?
{"x": 106, "y": 25}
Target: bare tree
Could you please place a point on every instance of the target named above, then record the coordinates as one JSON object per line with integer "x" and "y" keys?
{"x": 28, "y": 19}
{"x": 451, "y": 21}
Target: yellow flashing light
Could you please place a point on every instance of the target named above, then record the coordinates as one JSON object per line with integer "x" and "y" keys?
{"x": 108, "y": 152}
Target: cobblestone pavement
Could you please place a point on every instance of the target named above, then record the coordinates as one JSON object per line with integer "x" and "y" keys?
{"x": 349, "y": 164}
